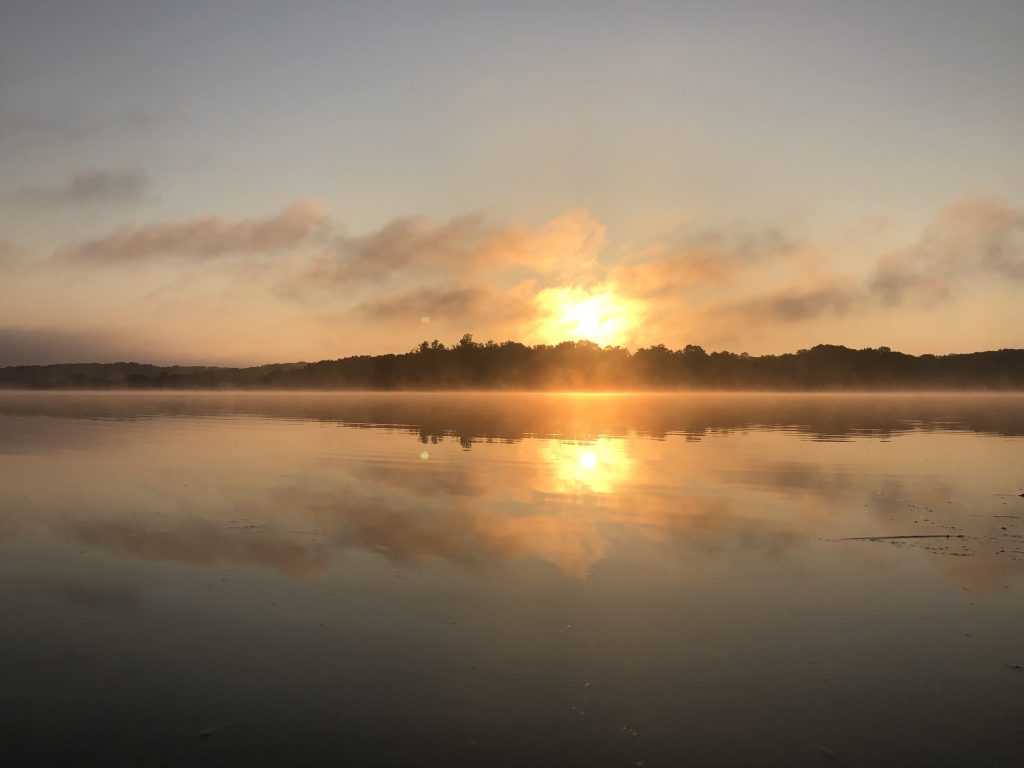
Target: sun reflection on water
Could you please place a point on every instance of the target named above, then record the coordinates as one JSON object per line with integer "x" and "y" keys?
{"x": 597, "y": 466}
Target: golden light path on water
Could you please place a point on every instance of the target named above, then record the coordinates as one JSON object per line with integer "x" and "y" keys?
{"x": 597, "y": 466}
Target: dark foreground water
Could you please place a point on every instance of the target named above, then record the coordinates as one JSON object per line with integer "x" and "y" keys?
{"x": 492, "y": 580}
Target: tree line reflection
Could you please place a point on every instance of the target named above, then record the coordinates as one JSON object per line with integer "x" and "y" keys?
{"x": 474, "y": 417}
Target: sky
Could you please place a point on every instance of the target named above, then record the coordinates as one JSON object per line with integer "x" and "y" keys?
{"x": 249, "y": 182}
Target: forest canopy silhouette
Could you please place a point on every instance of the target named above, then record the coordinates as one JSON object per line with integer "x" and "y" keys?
{"x": 571, "y": 365}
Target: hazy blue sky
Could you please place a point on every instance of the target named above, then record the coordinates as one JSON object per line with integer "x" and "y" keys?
{"x": 255, "y": 181}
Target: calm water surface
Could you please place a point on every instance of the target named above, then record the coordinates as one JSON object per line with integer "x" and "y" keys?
{"x": 387, "y": 580}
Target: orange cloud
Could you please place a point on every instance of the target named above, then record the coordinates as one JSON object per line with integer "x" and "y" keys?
{"x": 567, "y": 245}
{"x": 472, "y": 274}
{"x": 712, "y": 256}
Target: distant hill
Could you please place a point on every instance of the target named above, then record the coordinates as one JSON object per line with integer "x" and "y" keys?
{"x": 570, "y": 365}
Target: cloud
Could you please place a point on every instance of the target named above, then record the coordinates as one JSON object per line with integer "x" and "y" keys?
{"x": 406, "y": 242}
{"x": 707, "y": 257}
{"x": 469, "y": 307}
{"x": 973, "y": 237}
{"x": 472, "y": 274}
{"x": 427, "y": 302}
{"x": 89, "y": 187}
{"x": 565, "y": 246}
{"x": 794, "y": 304}
{"x": 207, "y": 238}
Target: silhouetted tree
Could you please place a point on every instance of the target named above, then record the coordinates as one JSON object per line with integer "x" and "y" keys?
{"x": 570, "y": 365}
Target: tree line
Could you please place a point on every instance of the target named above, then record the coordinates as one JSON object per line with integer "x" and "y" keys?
{"x": 571, "y": 365}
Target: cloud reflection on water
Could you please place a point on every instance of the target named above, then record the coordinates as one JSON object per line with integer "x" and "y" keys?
{"x": 291, "y": 495}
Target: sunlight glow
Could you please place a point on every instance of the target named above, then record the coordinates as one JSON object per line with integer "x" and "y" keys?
{"x": 573, "y": 314}
{"x": 595, "y": 467}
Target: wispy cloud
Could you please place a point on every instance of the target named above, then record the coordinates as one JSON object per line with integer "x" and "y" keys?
{"x": 974, "y": 237}
{"x": 835, "y": 297}
{"x": 427, "y": 302}
{"x": 297, "y": 225}
{"x": 971, "y": 239}
{"x": 471, "y": 273}
{"x": 566, "y": 246}
{"x": 401, "y": 244}
{"x": 90, "y": 187}
{"x": 707, "y": 257}
{"x": 460, "y": 308}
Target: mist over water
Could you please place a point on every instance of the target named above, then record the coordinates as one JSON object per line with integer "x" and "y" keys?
{"x": 512, "y": 579}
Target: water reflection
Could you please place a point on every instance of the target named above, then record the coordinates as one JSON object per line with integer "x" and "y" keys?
{"x": 286, "y": 494}
{"x": 197, "y": 542}
{"x": 597, "y": 466}
{"x": 592, "y": 555}
{"x": 482, "y": 417}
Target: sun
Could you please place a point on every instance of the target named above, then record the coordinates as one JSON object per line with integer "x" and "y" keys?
{"x": 573, "y": 314}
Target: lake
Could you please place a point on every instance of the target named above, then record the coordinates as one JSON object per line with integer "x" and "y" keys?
{"x": 511, "y": 579}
